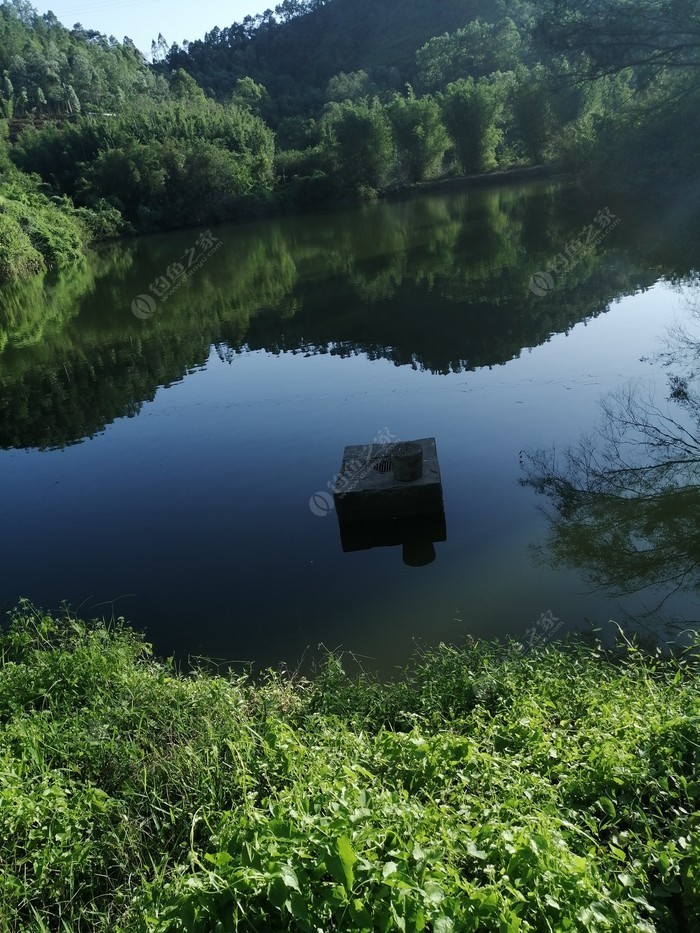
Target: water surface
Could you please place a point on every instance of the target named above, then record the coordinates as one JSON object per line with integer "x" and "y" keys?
{"x": 158, "y": 455}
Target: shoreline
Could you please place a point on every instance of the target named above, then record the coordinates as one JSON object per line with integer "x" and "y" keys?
{"x": 521, "y": 174}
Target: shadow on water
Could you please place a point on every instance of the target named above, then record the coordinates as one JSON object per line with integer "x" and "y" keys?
{"x": 416, "y": 536}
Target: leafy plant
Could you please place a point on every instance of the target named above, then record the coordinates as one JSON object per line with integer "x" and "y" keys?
{"x": 483, "y": 789}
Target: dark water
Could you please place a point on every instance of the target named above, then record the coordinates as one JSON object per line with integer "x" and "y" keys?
{"x": 158, "y": 454}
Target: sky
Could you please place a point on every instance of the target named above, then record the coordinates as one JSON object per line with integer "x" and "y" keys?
{"x": 142, "y": 20}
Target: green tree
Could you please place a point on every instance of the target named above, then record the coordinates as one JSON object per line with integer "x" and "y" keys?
{"x": 40, "y": 100}
{"x": 420, "y": 135}
{"x": 22, "y": 102}
{"x": 7, "y": 97}
{"x": 608, "y": 36}
{"x": 183, "y": 87}
{"x": 131, "y": 177}
{"x": 471, "y": 111}
{"x": 248, "y": 93}
{"x": 353, "y": 86}
{"x": 359, "y": 143}
{"x": 531, "y": 111}
{"x": 140, "y": 160}
{"x": 475, "y": 51}
{"x": 636, "y": 66}
{"x": 37, "y": 52}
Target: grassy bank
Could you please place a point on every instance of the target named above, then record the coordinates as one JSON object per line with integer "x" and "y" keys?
{"x": 485, "y": 789}
{"x": 38, "y": 233}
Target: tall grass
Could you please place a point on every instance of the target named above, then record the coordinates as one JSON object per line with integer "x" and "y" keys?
{"x": 484, "y": 789}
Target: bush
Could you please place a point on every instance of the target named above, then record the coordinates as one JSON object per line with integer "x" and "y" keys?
{"x": 36, "y": 233}
{"x": 160, "y": 166}
{"x": 487, "y": 788}
{"x": 17, "y": 255}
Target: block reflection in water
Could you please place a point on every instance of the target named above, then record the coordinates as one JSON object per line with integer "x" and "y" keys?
{"x": 417, "y": 536}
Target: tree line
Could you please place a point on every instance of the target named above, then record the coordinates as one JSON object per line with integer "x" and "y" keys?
{"x": 92, "y": 132}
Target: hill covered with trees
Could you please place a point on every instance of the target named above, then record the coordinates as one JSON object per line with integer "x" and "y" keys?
{"x": 319, "y": 102}
{"x": 301, "y": 46}
{"x": 94, "y": 143}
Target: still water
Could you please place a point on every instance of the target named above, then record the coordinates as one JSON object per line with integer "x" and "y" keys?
{"x": 168, "y": 411}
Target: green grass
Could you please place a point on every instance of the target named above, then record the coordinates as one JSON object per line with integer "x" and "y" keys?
{"x": 38, "y": 233}
{"x": 18, "y": 257}
{"x": 484, "y": 789}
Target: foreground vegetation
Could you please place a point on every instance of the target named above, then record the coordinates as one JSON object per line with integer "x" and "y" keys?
{"x": 487, "y": 788}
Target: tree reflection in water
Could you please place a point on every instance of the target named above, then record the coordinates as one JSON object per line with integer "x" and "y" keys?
{"x": 624, "y": 503}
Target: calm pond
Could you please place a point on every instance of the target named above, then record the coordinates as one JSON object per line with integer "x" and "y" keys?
{"x": 173, "y": 414}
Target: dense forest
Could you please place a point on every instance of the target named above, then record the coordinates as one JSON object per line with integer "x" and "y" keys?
{"x": 321, "y": 101}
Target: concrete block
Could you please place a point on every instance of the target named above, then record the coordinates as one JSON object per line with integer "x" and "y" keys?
{"x": 366, "y": 488}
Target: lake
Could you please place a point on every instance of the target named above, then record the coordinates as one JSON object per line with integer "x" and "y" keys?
{"x": 169, "y": 411}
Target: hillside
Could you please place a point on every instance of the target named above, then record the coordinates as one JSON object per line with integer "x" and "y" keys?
{"x": 48, "y": 70}
{"x": 295, "y": 56}
{"x": 325, "y": 101}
